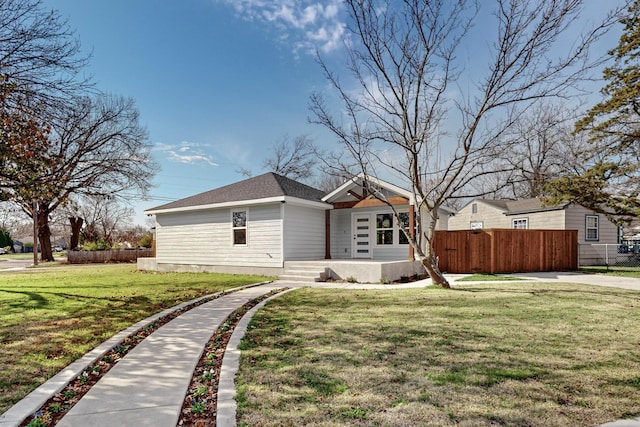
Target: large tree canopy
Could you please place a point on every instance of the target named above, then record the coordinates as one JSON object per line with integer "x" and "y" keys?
{"x": 411, "y": 110}
{"x": 100, "y": 149}
{"x": 58, "y": 137}
{"x": 611, "y": 183}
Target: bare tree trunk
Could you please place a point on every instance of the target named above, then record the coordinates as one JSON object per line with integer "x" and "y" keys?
{"x": 430, "y": 264}
{"x": 44, "y": 235}
{"x": 76, "y": 225}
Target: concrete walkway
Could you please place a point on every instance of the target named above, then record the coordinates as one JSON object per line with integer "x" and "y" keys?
{"x": 147, "y": 387}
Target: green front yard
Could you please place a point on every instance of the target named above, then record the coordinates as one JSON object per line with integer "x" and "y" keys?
{"x": 48, "y": 318}
{"x": 517, "y": 354}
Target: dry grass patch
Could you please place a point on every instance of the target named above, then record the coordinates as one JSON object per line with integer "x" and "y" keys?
{"x": 526, "y": 354}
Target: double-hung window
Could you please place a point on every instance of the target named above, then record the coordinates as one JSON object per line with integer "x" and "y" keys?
{"x": 592, "y": 228}
{"x": 520, "y": 223}
{"x": 239, "y": 227}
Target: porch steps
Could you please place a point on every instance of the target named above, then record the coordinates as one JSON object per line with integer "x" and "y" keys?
{"x": 305, "y": 273}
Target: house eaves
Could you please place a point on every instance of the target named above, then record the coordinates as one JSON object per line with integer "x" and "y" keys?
{"x": 244, "y": 203}
{"x": 357, "y": 181}
{"x": 266, "y": 188}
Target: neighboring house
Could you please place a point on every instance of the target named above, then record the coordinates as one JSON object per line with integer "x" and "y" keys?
{"x": 594, "y": 229}
{"x": 265, "y": 223}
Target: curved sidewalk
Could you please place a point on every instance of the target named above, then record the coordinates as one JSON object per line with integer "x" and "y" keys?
{"x": 147, "y": 387}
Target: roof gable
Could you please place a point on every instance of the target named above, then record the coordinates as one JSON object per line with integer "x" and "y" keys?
{"x": 519, "y": 206}
{"x": 264, "y": 186}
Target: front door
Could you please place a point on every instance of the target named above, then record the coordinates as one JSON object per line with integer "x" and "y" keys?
{"x": 361, "y": 228}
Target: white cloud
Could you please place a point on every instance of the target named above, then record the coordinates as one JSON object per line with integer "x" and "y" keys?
{"x": 185, "y": 152}
{"x": 310, "y": 24}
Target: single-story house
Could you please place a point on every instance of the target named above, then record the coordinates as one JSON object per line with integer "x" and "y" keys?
{"x": 270, "y": 224}
{"x": 594, "y": 229}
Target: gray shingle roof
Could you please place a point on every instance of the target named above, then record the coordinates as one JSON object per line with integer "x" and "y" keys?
{"x": 512, "y": 207}
{"x": 259, "y": 187}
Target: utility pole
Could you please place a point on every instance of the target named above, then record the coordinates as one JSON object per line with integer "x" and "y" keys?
{"x": 35, "y": 233}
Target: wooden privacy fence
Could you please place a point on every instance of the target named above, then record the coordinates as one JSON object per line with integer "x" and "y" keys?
{"x": 506, "y": 250}
{"x": 111, "y": 255}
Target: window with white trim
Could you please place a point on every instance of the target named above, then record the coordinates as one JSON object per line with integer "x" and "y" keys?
{"x": 592, "y": 228}
{"x": 384, "y": 229}
{"x": 520, "y": 223}
{"x": 476, "y": 225}
{"x": 239, "y": 227}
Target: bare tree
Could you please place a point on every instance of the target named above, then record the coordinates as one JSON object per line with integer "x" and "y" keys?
{"x": 104, "y": 218}
{"x": 403, "y": 59}
{"x": 293, "y": 158}
{"x": 39, "y": 56}
{"x": 100, "y": 149}
{"x": 540, "y": 146}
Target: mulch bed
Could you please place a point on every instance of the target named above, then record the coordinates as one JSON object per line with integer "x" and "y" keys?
{"x": 200, "y": 404}
{"x": 56, "y": 407}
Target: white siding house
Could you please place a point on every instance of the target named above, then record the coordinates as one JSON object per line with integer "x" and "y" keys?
{"x": 264, "y": 224}
{"x": 253, "y": 226}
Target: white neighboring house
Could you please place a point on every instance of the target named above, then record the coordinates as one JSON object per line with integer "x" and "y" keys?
{"x": 594, "y": 229}
{"x": 264, "y": 224}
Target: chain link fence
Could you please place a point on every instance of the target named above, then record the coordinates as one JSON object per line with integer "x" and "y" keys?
{"x": 605, "y": 255}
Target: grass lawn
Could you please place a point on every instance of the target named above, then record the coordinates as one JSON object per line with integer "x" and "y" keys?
{"x": 48, "y": 318}
{"x": 614, "y": 270}
{"x": 517, "y": 354}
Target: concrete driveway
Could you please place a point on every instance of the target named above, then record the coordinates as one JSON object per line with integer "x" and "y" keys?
{"x": 14, "y": 264}
{"x": 587, "y": 279}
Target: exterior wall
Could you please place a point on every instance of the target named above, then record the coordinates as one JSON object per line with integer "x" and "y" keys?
{"x": 374, "y": 272}
{"x": 204, "y": 238}
{"x": 490, "y": 216}
{"x": 341, "y": 235}
{"x": 594, "y": 252}
{"x": 576, "y": 219}
{"x": 548, "y": 220}
{"x": 304, "y": 233}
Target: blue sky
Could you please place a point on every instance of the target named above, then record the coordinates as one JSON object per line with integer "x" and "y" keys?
{"x": 217, "y": 82}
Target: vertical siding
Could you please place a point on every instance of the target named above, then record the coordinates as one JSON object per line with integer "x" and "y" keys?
{"x": 506, "y": 251}
{"x": 205, "y": 238}
{"x": 341, "y": 234}
{"x": 304, "y": 233}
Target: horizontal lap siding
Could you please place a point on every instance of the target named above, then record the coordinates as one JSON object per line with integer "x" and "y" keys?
{"x": 304, "y": 233}
{"x": 576, "y": 219}
{"x": 490, "y": 216}
{"x": 205, "y": 238}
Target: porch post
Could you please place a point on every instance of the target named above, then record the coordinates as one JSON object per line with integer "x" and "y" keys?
{"x": 412, "y": 230}
{"x": 327, "y": 234}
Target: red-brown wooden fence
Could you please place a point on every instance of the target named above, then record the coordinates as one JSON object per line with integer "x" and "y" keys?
{"x": 506, "y": 250}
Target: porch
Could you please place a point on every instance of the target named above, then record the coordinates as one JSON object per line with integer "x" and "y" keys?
{"x": 362, "y": 271}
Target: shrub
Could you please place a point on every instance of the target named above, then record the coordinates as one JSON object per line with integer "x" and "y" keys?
{"x": 98, "y": 245}
{"x": 146, "y": 241}
{"x": 5, "y": 238}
